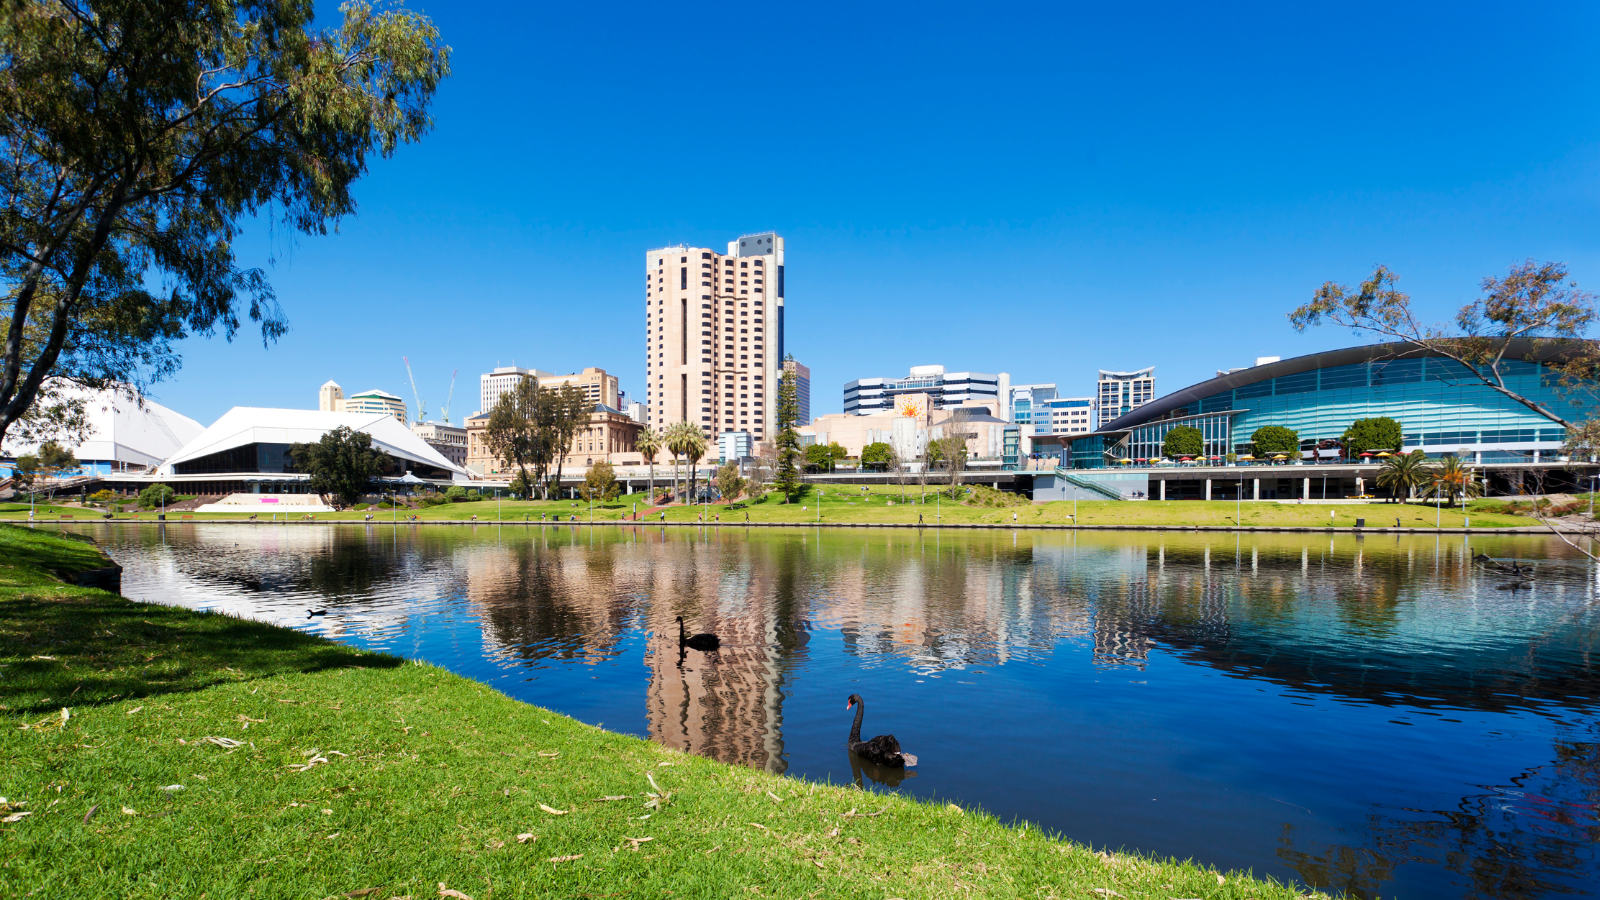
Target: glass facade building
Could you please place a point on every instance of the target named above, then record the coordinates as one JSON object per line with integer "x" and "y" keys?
{"x": 1442, "y": 407}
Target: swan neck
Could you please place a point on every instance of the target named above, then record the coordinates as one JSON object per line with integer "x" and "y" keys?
{"x": 855, "y": 729}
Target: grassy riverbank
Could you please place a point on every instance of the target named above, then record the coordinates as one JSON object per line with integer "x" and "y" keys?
{"x": 896, "y": 505}
{"x": 210, "y": 756}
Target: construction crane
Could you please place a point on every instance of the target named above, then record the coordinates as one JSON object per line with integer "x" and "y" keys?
{"x": 422, "y": 410}
{"x": 451, "y": 396}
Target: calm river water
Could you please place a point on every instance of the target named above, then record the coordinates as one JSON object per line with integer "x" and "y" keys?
{"x": 1373, "y": 715}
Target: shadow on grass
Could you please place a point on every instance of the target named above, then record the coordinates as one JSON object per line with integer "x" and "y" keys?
{"x": 75, "y": 647}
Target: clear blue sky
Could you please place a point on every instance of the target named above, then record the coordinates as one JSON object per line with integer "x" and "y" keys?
{"x": 1044, "y": 190}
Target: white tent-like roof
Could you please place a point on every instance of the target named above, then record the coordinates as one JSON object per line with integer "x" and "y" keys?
{"x": 122, "y": 430}
{"x": 245, "y": 425}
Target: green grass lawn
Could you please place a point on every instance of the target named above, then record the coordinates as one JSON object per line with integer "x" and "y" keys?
{"x": 206, "y": 756}
{"x": 849, "y": 504}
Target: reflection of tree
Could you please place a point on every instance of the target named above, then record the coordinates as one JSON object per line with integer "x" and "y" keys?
{"x": 542, "y": 602}
{"x": 1535, "y": 836}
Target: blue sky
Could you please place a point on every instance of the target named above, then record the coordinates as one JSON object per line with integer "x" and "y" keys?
{"x": 1043, "y": 190}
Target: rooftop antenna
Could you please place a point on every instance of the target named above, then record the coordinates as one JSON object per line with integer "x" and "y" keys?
{"x": 422, "y": 410}
{"x": 450, "y": 397}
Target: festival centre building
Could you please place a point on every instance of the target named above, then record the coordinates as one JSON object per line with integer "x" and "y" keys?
{"x": 1443, "y": 409}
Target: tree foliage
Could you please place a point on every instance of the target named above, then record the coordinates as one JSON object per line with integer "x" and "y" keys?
{"x": 648, "y": 444}
{"x": 1451, "y": 478}
{"x": 824, "y": 457}
{"x": 44, "y": 465}
{"x": 877, "y": 456}
{"x": 600, "y": 483}
{"x": 341, "y": 464}
{"x": 1270, "y": 439}
{"x": 1534, "y": 302}
{"x": 512, "y": 433}
{"x": 1372, "y": 435}
{"x": 1184, "y": 440}
{"x": 156, "y": 496}
{"x": 138, "y": 134}
{"x": 787, "y": 477}
{"x": 729, "y": 482}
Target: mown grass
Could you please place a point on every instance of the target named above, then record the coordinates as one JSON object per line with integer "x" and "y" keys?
{"x": 205, "y": 756}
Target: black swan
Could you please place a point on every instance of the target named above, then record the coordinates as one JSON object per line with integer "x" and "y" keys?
{"x": 883, "y": 749}
{"x": 698, "y": 641}
{"x": 315, "y": 612}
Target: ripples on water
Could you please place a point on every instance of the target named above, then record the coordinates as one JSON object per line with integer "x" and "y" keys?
{"x": 1373, "y": 715}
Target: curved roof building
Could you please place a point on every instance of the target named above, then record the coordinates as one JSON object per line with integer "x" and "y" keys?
{"x": 250, "y": 446}
{"x": 1442, "y": 407}
{"x": 125, "y": 433}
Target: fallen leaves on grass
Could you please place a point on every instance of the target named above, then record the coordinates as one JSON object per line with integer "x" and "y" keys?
{"x": 56, "y": 721}
{"x": 172, "y": 788}
{"x": 526, "y": 836}
{"x": 610, "y": 797}
{"x": 90, "y": 814}
{"x": 553, "y": 811}
{"x": 550, "y": 754}
{"x": 134, "y": 710}
{"x": 562, "y": 859}
{"x": 637, "y": 841}
{"x": 451, "y": 892}
{"x": 362, "y": 893}
{"x": 16, "y": 817}
{"x": 758, "y": 825}
{"x": 774, "y": 796}
{"x": 225, "y": 743}
{"x": 128, "y": 811}
{"x": 1106, "y": 892}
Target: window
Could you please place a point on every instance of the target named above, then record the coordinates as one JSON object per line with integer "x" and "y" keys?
{"x": 683, "y": 278}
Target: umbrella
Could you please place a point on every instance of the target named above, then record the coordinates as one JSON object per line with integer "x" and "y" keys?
{"x": 1187, "y": 459}
{"x": 1246, "y": 456}
{"x": 1280, "y": 456}
{"x": 1124, "y": 461}
{"x": 1367, "y": 453}
{"x": 1384, "y": 455}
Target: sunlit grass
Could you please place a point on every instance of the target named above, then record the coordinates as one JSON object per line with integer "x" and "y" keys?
{"x": 209, "y": 756}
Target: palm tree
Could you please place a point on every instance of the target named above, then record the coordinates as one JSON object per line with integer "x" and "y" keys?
{"x": 1403, "y": 472}
{"x": 649, "y": 444}
{"x": 694, "y": 447}
{"x": 677, "y": 438}
{"x": 1451, "y": 479}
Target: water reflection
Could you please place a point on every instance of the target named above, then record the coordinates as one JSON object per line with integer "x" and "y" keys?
{"x": 1379, "y": 716}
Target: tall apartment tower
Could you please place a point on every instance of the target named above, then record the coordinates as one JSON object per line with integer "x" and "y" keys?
{"x": 714, "y": 336}
{"x": 802, "y": 389}
{"x": 1119, "y": 393}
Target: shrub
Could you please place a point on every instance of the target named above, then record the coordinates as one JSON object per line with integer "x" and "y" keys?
{"x": 157, "y": 495}
{"x": 103, "y": 496}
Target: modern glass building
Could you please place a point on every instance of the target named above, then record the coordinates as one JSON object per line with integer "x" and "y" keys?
{"x": 1443, "y": 408}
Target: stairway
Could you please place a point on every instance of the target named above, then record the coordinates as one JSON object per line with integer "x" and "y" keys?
{"x": 1090, "y": 486}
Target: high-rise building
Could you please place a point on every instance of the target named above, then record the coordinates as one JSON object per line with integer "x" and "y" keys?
{"x": 802, "y": 389}
{"x": 597, "y": 386}
{"x": 1024, "y": 400}
{"x": 449, "y": 440}
{"x": 1119, "y": 393}
{"x": 331, "y": 398}
{"x": 945, "y": 390}
{"x": 714, "y": 335}
{"x": 376, "y": 401}
{"x": 504, "y": 378}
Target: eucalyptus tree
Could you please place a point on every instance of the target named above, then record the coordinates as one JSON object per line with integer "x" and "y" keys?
{"x": 138, "y": 134}
{"x": 1535, "y": 302}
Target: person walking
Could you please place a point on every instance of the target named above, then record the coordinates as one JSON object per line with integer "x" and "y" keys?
{"x": 1013, "y": 518}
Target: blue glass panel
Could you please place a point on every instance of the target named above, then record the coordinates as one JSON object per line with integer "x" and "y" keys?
{"x": 1344, "y": 377}
{"x": 1297, "y": 384}
{"x": 1217, "y": 402}
{"x": 1259, "y": 389}
{"x": 1552, "y": 434}
{"x": 1447, "y": 370}
{"x": 1396, "y": 371}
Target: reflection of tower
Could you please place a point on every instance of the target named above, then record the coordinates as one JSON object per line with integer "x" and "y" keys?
{"x": 726, "y": 704}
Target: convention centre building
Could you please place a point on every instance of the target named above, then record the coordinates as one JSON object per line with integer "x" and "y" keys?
{"x": 1443, "y": 409}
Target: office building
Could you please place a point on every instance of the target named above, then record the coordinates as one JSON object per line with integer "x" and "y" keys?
{"x": 1065, "y": 415}
{"x": 373, "y": 401}
{"x": 910, "y": 426}
{"x": 1119, "y": 393}
{"x": 503, "y": 378}
{"x": 733, "y": 446}
{"x": 714, "y": 335}
{"x": 1023, "y": 400}
{"x": 802, "y": 390}
{"x": 449, "y": 440}
{"x": 597, "y": 386}
{"x": 945, "y": 390}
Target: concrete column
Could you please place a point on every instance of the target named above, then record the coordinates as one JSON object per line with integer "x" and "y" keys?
{"x": 1163, "y": 489}
{"x": 1208, "y": 490}
{"x": 1305, "y": 493}
{"x": 1256, "y": 490}
{"x": 1361, "y": 486}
